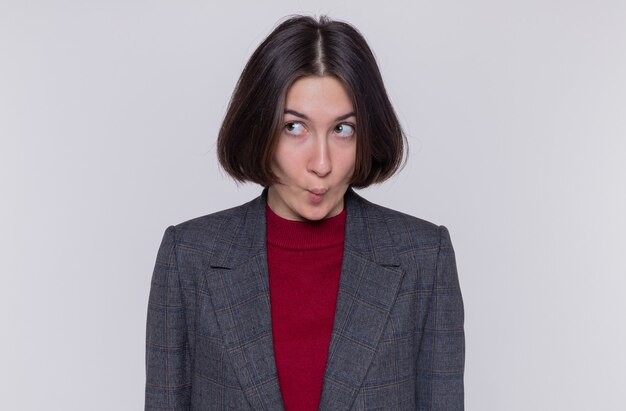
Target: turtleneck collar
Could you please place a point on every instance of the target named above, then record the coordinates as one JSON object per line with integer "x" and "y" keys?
{"x": 305, "y": 235}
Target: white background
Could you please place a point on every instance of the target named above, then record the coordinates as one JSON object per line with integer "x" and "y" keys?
{"x": 516, "y": 117}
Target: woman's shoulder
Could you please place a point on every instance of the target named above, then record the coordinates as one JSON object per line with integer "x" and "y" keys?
{"x": 203, "y": 230}
{"x": 404, "y": 228}
{"x": 217, "y": 217}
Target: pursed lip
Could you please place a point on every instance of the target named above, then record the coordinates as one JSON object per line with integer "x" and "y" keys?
{"x": 318, "y": 191}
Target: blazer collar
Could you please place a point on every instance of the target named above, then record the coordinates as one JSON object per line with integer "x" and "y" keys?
{"x": 244, "y": 233}
{"x": 237, "y": 281}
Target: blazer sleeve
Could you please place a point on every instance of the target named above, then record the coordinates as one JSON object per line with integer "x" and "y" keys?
{"x": 168, "y": 365}
{"x": 441, "y": 356}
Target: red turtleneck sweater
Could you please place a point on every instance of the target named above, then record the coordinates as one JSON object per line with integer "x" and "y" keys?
{"x": 304, "y": 261}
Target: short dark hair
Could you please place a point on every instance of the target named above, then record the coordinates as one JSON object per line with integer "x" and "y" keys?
{"x": 303, "y": 46}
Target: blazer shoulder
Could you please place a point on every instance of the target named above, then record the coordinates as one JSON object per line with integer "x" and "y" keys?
{"x": 202, "y": 232}
{"x": 408, "y": 230}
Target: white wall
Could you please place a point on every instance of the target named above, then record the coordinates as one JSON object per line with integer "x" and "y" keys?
{"x": 516, "y": 115}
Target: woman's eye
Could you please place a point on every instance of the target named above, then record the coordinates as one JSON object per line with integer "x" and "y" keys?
{"x": 345, "y": 130}
{"x": 294, "y": 128}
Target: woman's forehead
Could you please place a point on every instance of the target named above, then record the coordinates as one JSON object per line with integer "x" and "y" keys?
{"x": 320, "y": 95}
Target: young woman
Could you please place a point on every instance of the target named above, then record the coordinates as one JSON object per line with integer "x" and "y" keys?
{"x": 307, "y": 297}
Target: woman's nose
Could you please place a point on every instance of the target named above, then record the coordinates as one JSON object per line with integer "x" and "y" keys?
{"x": 319, "y": 161}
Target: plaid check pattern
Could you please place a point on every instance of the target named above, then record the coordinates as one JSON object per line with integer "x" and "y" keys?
{"x": 398, "y": 339}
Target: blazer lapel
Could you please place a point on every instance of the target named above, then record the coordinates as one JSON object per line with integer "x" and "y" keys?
{"x": 369, "y": 282}
{"x": 237, "y": 281}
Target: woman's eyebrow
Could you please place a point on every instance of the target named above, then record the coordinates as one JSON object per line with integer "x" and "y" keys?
{"x": 341, "y": 117}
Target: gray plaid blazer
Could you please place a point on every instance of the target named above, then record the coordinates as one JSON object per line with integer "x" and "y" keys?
{"x": 397, "y": 341}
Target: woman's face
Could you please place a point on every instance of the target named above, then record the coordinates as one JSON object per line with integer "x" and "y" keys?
{"x": 316, "y": 150}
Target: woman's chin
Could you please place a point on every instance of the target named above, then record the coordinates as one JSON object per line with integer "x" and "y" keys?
{"x": 317, "y": 213}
